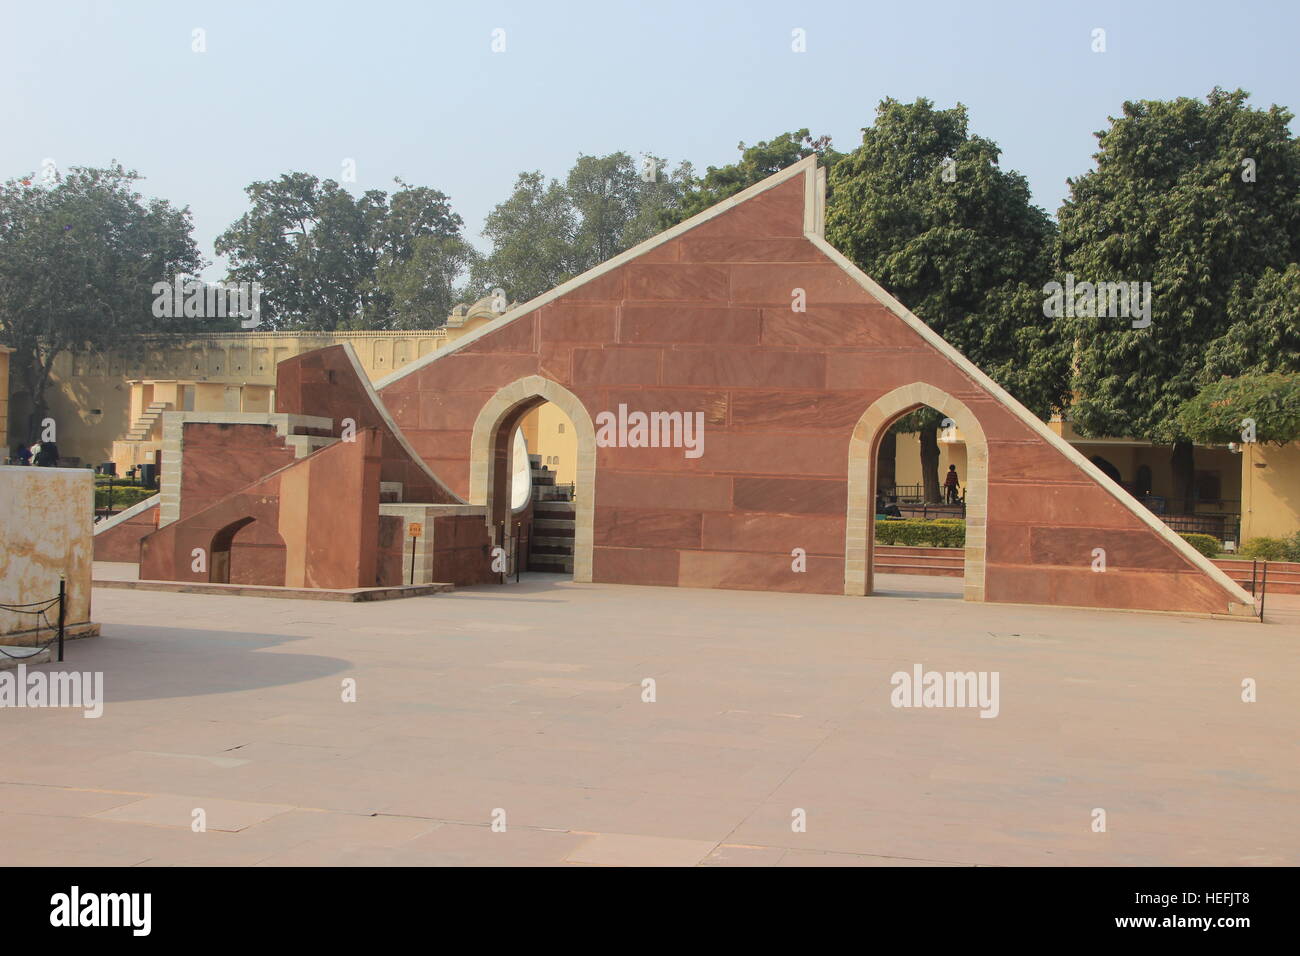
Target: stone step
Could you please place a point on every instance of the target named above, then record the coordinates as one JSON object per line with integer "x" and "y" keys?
{"x": 544, "y": 526}
{"x": 553, "y": 541}
{"x": 551, "y": 562}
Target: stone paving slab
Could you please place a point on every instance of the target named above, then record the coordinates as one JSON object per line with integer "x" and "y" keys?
{"x": 389, "y": 734}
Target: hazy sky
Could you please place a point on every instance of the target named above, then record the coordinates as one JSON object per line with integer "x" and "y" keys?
{"x": 414, "y": 89}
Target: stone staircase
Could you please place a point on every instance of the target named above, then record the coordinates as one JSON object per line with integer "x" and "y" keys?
{"x": 1283, "y": 576}
{"x": 939, "y": 562}
{"x": 143, "y": 428}
{"x": 554, "y": 520}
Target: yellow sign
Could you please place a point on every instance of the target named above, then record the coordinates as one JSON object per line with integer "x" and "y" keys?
{"x": 417, "y": 529}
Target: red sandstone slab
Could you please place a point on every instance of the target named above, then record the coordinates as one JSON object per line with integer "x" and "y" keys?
{"x": 780, "y": 534}
{"x": 675, "y": 325}
{"x": 778, "y": 211}
{"x": 622, "y": 366}
{"x": 820, "y": 410}
{"x": 443, "y": 411}
{"x": 744, "y": 369}
{"x": 664, "y": 252}
{"x": 555, "y": 361}
{"x": 797, "y": 496}
{"x": 634, "y": 566}
{"x": 577, "y": 322}
{"x": 517, "y": 335}
{"x": 838, "y": 326}
{"x": 1138, "y": 548}
{"x": 1033, "y": 461}
{"x": 1084, "y": 504}
{"x": 760, "y": 572}
{"x": 636, "y": 490}
{"x": 738, "y": 452}
{"x": 474, "y": 370}
{"x": 609, "y": 287}
{"x": 676, "y": 282}
{"x": 647, "y": 528}
{"x": 747, "y": 249}
{"x": 823, "y": 283}
{"x": 712, "y": 403}
{"x": 883, "y": 371}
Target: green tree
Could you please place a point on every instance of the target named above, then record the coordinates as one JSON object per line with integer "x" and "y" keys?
{"x": 532, "y": 236}
{"x": 1264, "y": 334}
{"x": 78, "y": 262}
{"x": 1260, "y": 406}
{"x": 548, "y": 232}
{"x": 1202, "y": 200}
{"x": 329, "y": 260}
{"x": 923, "y": 207}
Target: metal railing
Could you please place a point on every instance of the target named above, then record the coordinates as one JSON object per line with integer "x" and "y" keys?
{"x": 38, "y": 609}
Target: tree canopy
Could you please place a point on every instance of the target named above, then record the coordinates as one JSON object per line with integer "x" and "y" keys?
{"x": 329, "y": 260}
{"x": 547, "y": 232}
{"x": 78, "y": 261}
{"x": 1202, "y": 200}
{"x": 1263, "y": 405}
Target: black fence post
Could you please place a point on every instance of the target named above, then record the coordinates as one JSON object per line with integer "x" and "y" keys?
{"x": 63, "y": 601}
{"x": 1263, "y": 592}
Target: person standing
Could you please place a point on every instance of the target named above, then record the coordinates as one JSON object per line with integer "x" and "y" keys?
{"x": 950, "y": 483}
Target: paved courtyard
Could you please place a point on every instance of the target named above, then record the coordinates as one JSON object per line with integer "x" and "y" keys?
{"x": 526, "y": 702}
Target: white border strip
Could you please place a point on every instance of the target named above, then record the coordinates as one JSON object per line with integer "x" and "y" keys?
{"x": 392, "y": 425}
{"x": 144, "y": 504}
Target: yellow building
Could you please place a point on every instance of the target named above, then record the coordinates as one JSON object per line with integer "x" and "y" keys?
{"x": 109, "y": 407}
{"x": 1270, "y": 481}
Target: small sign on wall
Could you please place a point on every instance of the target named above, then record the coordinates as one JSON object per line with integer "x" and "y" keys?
{"x": 415, "y": 529}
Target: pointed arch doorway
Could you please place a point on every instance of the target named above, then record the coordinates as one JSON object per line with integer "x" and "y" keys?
{"x": 864, "y": 447}
{"x": 490, "y": 459}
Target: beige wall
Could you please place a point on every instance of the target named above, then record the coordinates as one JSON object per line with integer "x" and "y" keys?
{"x": 907, "y": 463}
{"x": 1271, "y": 477}
{"x": 46, "y": 518}
{"x": 91, "y": 401}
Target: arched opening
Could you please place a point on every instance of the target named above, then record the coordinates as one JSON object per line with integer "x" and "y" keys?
{"x": 921, "y": 481}
{"x": 219, "y": 551}
{"x": 865, "y": 484}
{"x": 539, "y": 406}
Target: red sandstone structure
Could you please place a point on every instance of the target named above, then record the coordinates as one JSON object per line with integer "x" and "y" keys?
{"x": 703, "y": 320}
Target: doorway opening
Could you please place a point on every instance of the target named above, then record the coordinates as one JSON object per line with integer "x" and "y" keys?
{"x": 918, "y": 490}
{"x": 534, "y": 466}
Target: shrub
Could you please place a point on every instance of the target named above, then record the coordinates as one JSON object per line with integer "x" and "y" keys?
{"x": 1208, "y": 545}
{"x": 124, "y": 496}
{"x": 917, "y": 532}
{"x": 1273, "y": 549}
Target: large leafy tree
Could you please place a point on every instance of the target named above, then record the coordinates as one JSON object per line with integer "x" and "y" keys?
{"x": 550, "y": 231}
{"x": 924, "y": 208}
{"x": 1202, "y": 200}
{"x": 329, "y": 260}
{"x": 78, "y": 261}
{"x": 1267, "y": 402}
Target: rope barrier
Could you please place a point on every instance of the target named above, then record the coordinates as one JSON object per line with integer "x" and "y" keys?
{"x": 40, "y": 608}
